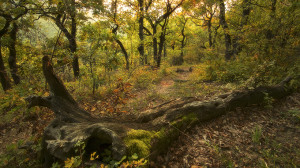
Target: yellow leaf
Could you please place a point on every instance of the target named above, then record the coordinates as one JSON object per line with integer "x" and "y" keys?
{"x": 93, "y": 109}
{"x": 69, "y": 162}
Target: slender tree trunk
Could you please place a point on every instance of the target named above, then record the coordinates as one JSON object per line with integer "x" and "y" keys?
{"x": 160, "y": 48}
{"x": 236, "y": 40}
{"x": 12, "y": 60}
{"x": 165, "y": 49}
{"x": 162, "y": 39}
{"x": 5, "y": 81}
{"x": 183, "y": 42}
{"x": 124, "y": 52}
{"x": 73, "y": 44}
{"x": 71, "y": 36}
{"x": 141, "y": 47}
{"x": 215, "y": 36}
{"x": 269, "y": 33}
{"x": 154, "y": 27}
{"x": 209, "y": 32}
{"x": 223, "y": 23}
{"x": 114, "y": 31}
{"x": 75, "y": 63}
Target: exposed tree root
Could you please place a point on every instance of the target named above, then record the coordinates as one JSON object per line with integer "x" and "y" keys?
{"x": 73, "y": 124}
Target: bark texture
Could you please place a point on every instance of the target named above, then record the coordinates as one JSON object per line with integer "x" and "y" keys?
{"x": 141, "y": 48}
{"x": 12, "y": 59}
{"x": 73, "y": 123}
{"x": 5, "y": 81}
{"x": 223, "y": 23}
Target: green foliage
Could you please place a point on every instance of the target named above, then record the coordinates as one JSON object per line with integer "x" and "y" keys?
{"x": 13, "y": 105}
{"x": 15, "y": 157}
{"x": 295, "y": 112}
{"x": 257, "y": 135}
{"x": 268, "y": 101}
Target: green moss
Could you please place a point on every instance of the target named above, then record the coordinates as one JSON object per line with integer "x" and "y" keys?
{"x": 185, "y": 121}
{"x": 166, "y": 136}
{"x": 139, "y": 142}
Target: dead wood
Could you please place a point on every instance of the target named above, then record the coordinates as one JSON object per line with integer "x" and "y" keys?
{"x": 73, "y": 124}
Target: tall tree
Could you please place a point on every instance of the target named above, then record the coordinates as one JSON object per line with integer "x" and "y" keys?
{"x": 12, "y": 59}
{"x": 162, "y": 39}
{"x": 183, "y": 22}
{"x": 223, "y": 23}
{"x": 60, "y": 12}
{"x": 141, "y": 47}
{"x": 203, "y": 13}
{"x": 10, "y": 11}
{"x": 114, "y": 14}
{"x": 154, "y": 21}
{"x": 246, "y": 8}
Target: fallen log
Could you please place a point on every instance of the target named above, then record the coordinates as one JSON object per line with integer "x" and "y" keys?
{"x": 148, "y": 133}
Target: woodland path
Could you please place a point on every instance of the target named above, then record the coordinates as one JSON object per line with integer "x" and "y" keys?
{"x": 166, "y": 83}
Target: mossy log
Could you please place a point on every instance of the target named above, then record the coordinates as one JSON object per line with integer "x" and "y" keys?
{"x": 148, "y": 132}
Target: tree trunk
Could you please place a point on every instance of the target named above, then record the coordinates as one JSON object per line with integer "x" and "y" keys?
{"x": 154, "y": 28}
{"x": 209, "y": 32}
{"x": 237, "y": 48}
{"x": 183, "y": 42}
{"x": 114, "y": 31}
{"x": 5, "y": 81}
{"x": 148, "y": 134}
{"x": 124, "y": 52}
{"x": 160, "y": 48}
{"x": 165, "y": 50}
{"x": 215, "y": 35}
{"x": 141, "y": 48}
{"x": 73, "y": 45}
{"x": 70, "y": 35}
{"x": 12, "y": 59}
{"x": 223, "y": 23}
{"x": 161, "y": 43}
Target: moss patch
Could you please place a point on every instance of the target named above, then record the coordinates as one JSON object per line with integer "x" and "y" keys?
{"x": 166, "y": 136}
{"x": 139, "y": 142}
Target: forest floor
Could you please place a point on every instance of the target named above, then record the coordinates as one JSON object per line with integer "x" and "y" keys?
{"x": 248, "y": 137}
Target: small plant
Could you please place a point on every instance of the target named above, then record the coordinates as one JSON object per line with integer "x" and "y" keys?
{"x": 257, "y": 134}
{"x": 295, "y": 112}
{"x": 268, "y": 101}
{"x": 106, "y": 159}
{"x": 76, "y": 161}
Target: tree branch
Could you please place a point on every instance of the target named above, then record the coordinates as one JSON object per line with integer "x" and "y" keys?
{"x": 38, "y": 101}
{"x": 57, "y": 87}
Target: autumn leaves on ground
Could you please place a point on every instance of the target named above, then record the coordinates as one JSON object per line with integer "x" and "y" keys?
{"x": 257, "y": 136}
